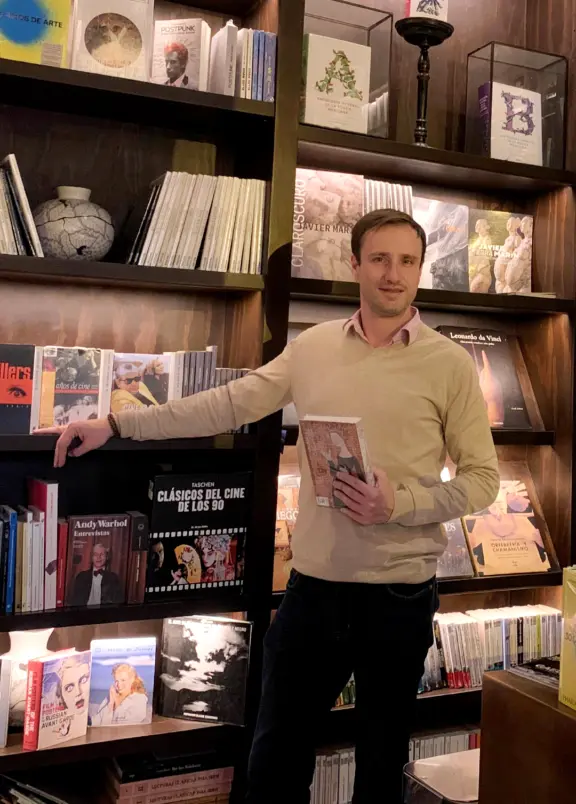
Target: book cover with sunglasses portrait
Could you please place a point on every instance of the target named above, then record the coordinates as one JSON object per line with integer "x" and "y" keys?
{"x": 139, "y": 381}
{"x": 20, "y": 377}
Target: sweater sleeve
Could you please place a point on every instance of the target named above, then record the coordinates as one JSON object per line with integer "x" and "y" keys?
{"x": 469, "y": 444}
{"x": 208, "y": 413}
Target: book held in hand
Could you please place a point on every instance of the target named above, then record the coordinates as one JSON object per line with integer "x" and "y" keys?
{"x": 181, "y": 53}
{"x": 204, "y": 667}
{"x": 57, "y": 694}
{"x": 334, "y": 444}
{"x": 122, "y": 681}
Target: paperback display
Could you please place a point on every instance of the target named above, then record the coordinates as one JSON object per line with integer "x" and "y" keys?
{"x": 96, "y": 559}
{"x": 494, "y": 361}
{"x": 436, "y": 9}
{"x": 113, "y": 41}
{"x": 567, "y": 691}
{"x": 37, "y": 33}
{"x": 334, "y": 444}
{"x": 500, "y": 251}
{"x": 198, "y": 526}
{"x": 512, "y": 120}
{"x": 18, "y": 233}
{"x": 543, "y": 671}
{"x": 140, "y": 381}
{"x": 20, "y": 382}
{"x": 122, "y": 681}
{"x": 504, "y": 538}
{"x": 326, "y": 207}
{"x": 57, "y": 691}
{"x": 76, "y": 384}
{"x": 286, "y": 515}
{"x": 455, "y": 561}
{"x": 181, "y": 53}
{"x": 335, "y": 83}
{"x": 446, "y": 225}
{"x": 204, "y": 667}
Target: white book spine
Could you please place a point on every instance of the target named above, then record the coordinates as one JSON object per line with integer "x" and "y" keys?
{"x": 200, "y": 221}
{"x": 5, "y": 678}
{"x": 223, "y": 60}
{"x": 184, "y": 246}
{"x": 187, "y": 194}
{"x": 250, "y": 222}
{"x": 249, "y": 57}
{"x": 173, "y": 212}
{"x": 27, "y": 562}
{"x": 223, "y": 261}
{"x": 142, "y": 259}
{"x": 36, "y": 387}
{"x": 258, "y": 230}
{"x": 51, "y": 546}
{"x": 163, "y": 220}
{"x": 213, "y": 221}
{"x": 106, "y": 381}
{"x": 241, "y": 63}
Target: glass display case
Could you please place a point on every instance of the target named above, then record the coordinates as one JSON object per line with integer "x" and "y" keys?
{"x": 448, "y": 779}
{"x": 515, "y": 106}
{"x": 346, "y": 66}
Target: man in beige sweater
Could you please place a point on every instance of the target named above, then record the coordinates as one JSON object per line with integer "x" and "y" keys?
{"x": 362, "y": 593}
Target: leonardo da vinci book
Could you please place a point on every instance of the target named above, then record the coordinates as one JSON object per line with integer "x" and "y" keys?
{"x": 335, "y": 83}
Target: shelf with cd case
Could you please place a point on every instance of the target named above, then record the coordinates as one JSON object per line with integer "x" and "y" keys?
{"x": 537, "y": 438}
{"x": 497, "y": 304}
{"x": 165, "y": 734}
{"x": 330, "y": 149}
{"x": 46, "y": 443}
{"x": 65, "y": 90}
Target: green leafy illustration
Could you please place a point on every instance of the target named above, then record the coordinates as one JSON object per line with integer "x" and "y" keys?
{"x": 340, "y": 70}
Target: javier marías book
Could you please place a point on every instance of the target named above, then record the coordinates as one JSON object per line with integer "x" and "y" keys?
{"x": 96, "y": 559}
{"x": 122, "y": 683}
{"x": 446, "y": 226}
{"x": 499, "y": 251}
{"x": 568, "y": 650}
{"x": 76, "y": 384}
{"x": 505, "y": 538}
{"x": 198, "y": 526}
{"x": 334, "y": 444}
{"x": 204, "y": 669}
{"x": 57, "y": 694}
{"x": 497, "y": 373}
{"x": 455, "y": 561}
{"x": 20, "y": 375}
{"x": 326, "y": 207}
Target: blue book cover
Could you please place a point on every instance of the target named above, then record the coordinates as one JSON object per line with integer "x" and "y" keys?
{"x": 261, "y": 46}
{"x": 122, "y": 683}
{"x": 269, "y": 67}
{"x": 11, "y": 524}
{"x": 256, "y": 64}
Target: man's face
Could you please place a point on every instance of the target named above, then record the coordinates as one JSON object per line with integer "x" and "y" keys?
{"x": 130, "y": 382}
{"x": 389, "y": 269}
{"x": 122, "y": 681}
{"x": 75, "y": 684}
{"x": 174, "y": 67}
{"x": 98, "y": 558}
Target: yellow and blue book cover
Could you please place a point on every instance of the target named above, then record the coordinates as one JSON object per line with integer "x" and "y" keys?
{"x": 568, "y": 655}
{"x": 35, "y": 31}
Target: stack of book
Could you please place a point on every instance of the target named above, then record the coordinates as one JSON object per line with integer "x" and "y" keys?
{"x": 18, "y": 233}
{"x": 206, "y": 222}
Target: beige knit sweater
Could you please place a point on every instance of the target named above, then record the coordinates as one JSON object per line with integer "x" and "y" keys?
{"x": 417, "y": 403}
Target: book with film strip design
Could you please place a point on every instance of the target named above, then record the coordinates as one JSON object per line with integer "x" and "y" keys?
{"x": 198, "y": 526}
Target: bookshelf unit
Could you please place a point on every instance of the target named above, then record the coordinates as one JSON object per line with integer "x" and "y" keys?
{"x": 115, "y": 136}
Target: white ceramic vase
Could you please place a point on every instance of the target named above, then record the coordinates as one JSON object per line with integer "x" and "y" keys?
{"x": 24, "y": 645}
{"x": 71, "y": 227}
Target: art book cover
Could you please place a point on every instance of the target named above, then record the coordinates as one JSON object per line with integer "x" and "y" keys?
{"x": 57, "y": 694}
{"x": 122, "y": 683}
{"x": 181, "y": 53}
{"x": 437, "y": 9}
{"x": 20, "y": 377}
{"x": 497, "y": 374}
{"x": 455, "y": 562}
{"x": 96, "y": 559}
{"x": 446, "y": 226}
{"x": 568, "y": 650}
{"x": 204, "y": 666}
{"x": 335, "y": 83}
{"x": 198, "y": 526}
{"x": 113, "y": 41}
{"x": 516, "y": 122}
{"x": 500, "y": 251}
{"x": 504, "y": 538}
{"x": 286, "y": 515}
{"x": 326, "y": 207}
{"x": 35, "y": 31}
{"x": 334, "y": 445}
{"x": 139, "y": 381}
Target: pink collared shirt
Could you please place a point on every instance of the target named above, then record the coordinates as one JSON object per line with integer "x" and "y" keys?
{"x": 406, "y": 334}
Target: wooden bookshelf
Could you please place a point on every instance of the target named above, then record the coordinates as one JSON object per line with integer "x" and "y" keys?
{"x": 46, "y": 443}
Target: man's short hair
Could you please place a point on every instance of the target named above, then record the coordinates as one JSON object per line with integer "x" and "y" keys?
{"x": 180, "y": 50}
{"x": 377, "y": 220}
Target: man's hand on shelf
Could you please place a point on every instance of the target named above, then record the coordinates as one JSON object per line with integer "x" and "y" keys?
{"x": 91, "y": 435}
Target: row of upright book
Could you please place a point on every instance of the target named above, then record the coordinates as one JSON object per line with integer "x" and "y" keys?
{"x": 44, "y": 386}
{"x": 123, "y": 39}
{"x": 469, "y": 249}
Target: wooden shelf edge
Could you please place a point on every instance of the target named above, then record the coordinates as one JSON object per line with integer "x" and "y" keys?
{"x": 110, "y": 274}
{"x": 46, "y": 443}
{"x": 205, "y": 601}
{"x": 347, "y": 293}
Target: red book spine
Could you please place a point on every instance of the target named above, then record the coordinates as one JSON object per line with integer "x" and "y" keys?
{"x": 33, "y": 706}
{"x": 61, "y": 567}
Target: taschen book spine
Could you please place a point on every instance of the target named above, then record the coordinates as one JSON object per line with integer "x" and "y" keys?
{"x": 33, "y": 705}
{"x": 137, "y": 562}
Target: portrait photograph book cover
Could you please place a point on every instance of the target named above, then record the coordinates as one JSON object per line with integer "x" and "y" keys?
{"x": 334, "y": 444}
{"x": 181, "y": 53}
{"x": 20, "y": 382}
{"x": 204, "y": 667}
{"x": 122, "y": 683}
{"x": 139, "y": 381}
